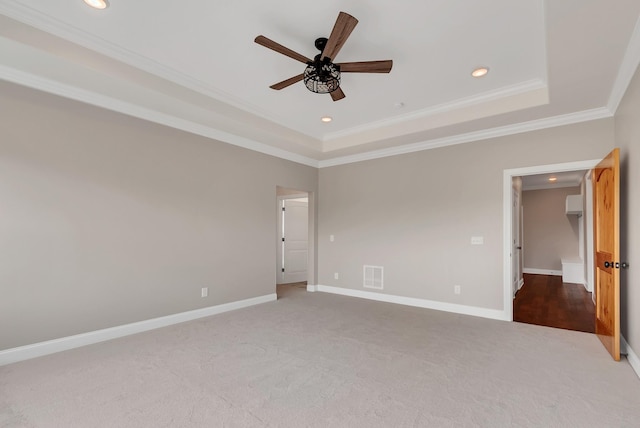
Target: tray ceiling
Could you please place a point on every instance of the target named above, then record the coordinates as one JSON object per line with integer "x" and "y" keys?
{"x": 194, "y": 66}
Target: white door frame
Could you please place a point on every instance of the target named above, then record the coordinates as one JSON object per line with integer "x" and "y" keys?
{"x": 311, "y": 242}
{"x": 280, "y": 254}
{"x": 507, "y": 186}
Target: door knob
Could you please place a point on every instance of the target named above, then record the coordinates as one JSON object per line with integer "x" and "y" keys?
{"x": 607, "y": 264}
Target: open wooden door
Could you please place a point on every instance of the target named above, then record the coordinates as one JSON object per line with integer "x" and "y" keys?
{"x": 606, "y": 210}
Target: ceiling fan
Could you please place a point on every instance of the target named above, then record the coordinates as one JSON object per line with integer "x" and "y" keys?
{"x": 322, "y": 75}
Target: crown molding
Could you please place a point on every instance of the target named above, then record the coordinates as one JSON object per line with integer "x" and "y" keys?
{"x": 43, "y": 22}
{"x": 534, "y": 125}
{"x": 29, "y": 16}
{"x": 67, "y": 91}
{"x": 103, "y": 101}
{"x": 627, "y": 70}
{"x": 485, "y": 97}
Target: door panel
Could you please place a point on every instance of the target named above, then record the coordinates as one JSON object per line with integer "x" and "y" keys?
{"x": 606, "y": 201}
{"x": 516, "y": 245}
{"x": 295, "y": 248}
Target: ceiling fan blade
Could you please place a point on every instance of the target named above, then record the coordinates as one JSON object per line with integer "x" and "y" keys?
{"x": 337, "y": 95}
{"x": 290, "y": 81}
{"x": 366, "y": 67}
{"x": 341, "y": 30}
{"x": 268, "y": 43}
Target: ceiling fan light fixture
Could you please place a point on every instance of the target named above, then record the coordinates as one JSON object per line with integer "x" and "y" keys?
{"x": 322, "y": 78}
{"x": 480, "y": 72}
{"x": 97, "y": 4}
{"x": 326, "y": 119}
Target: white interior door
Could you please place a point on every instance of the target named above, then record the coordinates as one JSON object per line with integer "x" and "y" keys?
{"x": 516, "y": 246}
{"x": 295, "y": 224}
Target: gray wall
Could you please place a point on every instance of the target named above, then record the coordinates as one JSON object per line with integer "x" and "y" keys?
{"x": 627, "y": 123}
{"x": 415, "y": 214}
{"x": 550, "y": 235}
{"x": 108, "y": 220}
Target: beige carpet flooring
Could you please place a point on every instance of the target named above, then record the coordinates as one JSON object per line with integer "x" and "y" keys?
{"x": 321, "y": 360}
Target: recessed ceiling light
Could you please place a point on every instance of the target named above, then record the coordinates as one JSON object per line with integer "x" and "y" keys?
{"x": 553, "y": 179}
{"x": 97, "y": 4}
{"x": 480, "y": 71}
{"x": 326, "y": 119}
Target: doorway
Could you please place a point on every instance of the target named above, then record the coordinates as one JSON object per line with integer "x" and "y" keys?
{"x": 510, "y": 229}
{"x": 293, "y": 238}
{"x": 554, "y": 291}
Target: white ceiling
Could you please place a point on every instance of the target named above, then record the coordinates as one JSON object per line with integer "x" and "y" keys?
{"x": 194, "y": 66}
{"x": 563, "y": 179}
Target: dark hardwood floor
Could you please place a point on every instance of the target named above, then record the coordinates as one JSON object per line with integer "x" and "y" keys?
{"x": 546, "y": 300}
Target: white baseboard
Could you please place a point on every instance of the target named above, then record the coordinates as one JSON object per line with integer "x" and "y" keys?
{"x": 420, "y": 303}
{"x": 542, "y": 271}
{"x": 520, "y": 283}
{"x": 312, "y": 288}
{"x": 26, "y": 352}
{"x": 632, "y": 358}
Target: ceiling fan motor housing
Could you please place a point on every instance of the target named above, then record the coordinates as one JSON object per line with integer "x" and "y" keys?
{"x": 320, "y": 43}
{"x": 322, "y": 76}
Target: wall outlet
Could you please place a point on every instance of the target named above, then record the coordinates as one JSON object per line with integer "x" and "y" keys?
{"x": 456, "y": 289}
{"x": 336, "y": 276}
{"x": 331, "y": 238}
{"x": 477, "y": 240}
{"x": 204, "y": 292}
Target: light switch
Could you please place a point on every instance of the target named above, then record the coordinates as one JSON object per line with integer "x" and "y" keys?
{"x": 331, "y": 238}
{"x": 477, "y": 240}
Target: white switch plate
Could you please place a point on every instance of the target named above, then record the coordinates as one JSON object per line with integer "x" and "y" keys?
{"x": 205, "y": 291}
{"x": 336, "y": 276}
{"x": 331, "y": 238}
{"x": 477, "y": 240}
{"x": 456, "y": 289}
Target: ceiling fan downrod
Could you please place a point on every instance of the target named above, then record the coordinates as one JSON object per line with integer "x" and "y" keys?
{"x": 321, "y": 75}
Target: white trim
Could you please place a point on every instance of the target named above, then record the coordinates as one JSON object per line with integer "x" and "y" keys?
{"x": 26, "y": 352}
{"x": 420, "y": 303}
{"x": 312, "y": 288}
{"x": 632, "y": 357}
{"x": 626, "y": 71}
{"x": 507, "y": 181}
{"x": 534, "y": 125}
{"x": 474, "y": 100}
{"x": 34, "y": 18}
{"x": 542, "y": 271}
{"x": 520, "y": 283}
{"x": 550, "y": 186}
{"x": 44, "y": 22}
{"x": 93, "y": 98}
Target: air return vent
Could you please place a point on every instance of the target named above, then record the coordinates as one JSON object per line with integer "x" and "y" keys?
{"x": 373, "y": 277}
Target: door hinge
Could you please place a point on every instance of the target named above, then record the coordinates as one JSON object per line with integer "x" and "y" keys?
{"x": 283, "y": 209}
{"x": 282, "y": 269}
{"x": 283, "y": 239}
